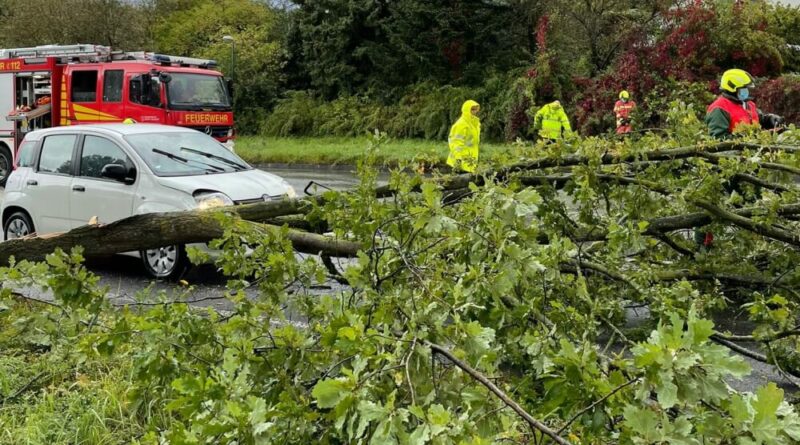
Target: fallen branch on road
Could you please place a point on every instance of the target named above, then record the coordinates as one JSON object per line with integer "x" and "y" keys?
{"x": 153, "y": 230}
{"x": 499, "y": 393}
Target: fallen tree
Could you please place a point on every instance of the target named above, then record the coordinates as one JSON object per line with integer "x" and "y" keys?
{"x": 480, "y": 308}
{"x": 155, "y": 230}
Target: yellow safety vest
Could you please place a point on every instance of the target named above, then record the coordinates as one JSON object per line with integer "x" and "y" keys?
{"x": 464, "y": 140}
{"x": 550, "y": 120}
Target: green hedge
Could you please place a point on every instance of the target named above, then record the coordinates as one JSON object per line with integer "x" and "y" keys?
{"x": 425, "y": 111}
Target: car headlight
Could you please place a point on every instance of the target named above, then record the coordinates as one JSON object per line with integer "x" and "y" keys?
{"x": 211, "y": 200}
{"x": 290, "y": 192}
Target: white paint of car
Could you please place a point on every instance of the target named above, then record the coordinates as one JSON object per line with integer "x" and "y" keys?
{"x": 59, "y": 202}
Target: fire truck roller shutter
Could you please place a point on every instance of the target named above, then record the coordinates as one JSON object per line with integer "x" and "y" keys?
{"x": 6, "y": 127}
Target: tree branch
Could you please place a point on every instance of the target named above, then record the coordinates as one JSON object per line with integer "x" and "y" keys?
{"x": 599, "y": 401}
{"x": 748, "y": 224}
{"x": 24, "y": 388}
{"x": 499, "y": 393}
{"x": 155, "y": 230}
{"x": 750, "y": 338}
{"x": 748, "y": 353}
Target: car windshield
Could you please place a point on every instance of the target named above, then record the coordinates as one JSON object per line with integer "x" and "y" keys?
{"x": 197, "y": 91}
{"x": 185, "y": 153}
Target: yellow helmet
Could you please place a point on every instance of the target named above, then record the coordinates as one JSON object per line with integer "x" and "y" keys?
{"x": 624, "y": 95}
{"x": 734, "y": 79}
{"x": 129, "y": 120}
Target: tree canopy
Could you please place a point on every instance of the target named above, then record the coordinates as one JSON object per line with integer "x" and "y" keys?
{"x": 510, "y": 53}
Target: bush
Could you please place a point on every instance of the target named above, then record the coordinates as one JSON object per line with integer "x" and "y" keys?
{"x": 425, "y": 111}
{"x": 293, "y": 116}
{"x": 780, "y": 96}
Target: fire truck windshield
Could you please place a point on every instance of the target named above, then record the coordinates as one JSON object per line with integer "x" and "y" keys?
{"x": 197, "y": 92}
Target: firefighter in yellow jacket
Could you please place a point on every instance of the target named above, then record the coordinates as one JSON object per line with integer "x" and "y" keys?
{"x": 551, "y": 121}
{"x": 465, "y": 138}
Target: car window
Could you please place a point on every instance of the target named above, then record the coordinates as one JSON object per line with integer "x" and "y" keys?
{"x": 84, "y": 86}
{"x": 112, "y": 86}
{"x": 26, "y": 156}
{"x": 56, "y": 154}
{"x": 99, "y": 152}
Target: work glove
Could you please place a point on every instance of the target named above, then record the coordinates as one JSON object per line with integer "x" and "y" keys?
{"x": 773, "y": 121}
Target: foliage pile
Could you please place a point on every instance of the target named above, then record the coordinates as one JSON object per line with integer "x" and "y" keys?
{"x": 481, "y": 309}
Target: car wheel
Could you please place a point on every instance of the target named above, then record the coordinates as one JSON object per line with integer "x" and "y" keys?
{"x": 17, "y": 225}
{"x": 6, "y": 164}
{"x": 165, "y": 262}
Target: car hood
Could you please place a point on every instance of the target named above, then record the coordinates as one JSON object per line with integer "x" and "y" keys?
{"x": 239, "y": 186}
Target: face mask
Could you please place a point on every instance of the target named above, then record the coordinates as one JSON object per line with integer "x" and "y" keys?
{"x": 743, "y": 94}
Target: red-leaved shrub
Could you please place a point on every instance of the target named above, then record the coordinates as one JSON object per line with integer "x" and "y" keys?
{"x": 780, "y": 96}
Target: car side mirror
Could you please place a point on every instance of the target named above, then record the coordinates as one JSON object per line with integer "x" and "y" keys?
{"x": 119, "y": 173}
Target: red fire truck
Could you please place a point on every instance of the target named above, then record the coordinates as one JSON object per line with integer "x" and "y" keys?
{"x": 57, "y": 85}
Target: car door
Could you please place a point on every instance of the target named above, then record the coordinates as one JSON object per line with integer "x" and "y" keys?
{"x": 93, "y": 195}
{"x": 47, "y": 188}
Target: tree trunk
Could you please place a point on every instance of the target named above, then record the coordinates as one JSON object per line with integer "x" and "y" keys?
{"x": 163, "y": 229}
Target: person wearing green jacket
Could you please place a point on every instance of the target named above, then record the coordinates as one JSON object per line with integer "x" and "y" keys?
{"x": 465, "y": 139}
{"x": 551, "y": 122}
{"x": 735, "y": 107}
{"x": 733, "y": 110}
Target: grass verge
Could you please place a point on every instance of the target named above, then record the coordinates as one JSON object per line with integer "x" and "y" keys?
{"x": 55, "y": 395}
{"x": 348, "y": 150}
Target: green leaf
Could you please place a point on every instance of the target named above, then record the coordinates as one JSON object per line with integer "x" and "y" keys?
{"x": 667, "y": 394}
{"x": 347, "y": 332}
{"x": 438, "y": 417}
{"x": 431, "y": 194}
{"x": 417, "y": 411}
{"x": 420, "y": 436}
{"x": 368, "y": 412}
{"x": 329, "y": 393}
{"x": 740, "y": 410}
{"x": 642, "y": 422}
{"x": 480, "y": 337}
{"x": 700, "y": 330}
{"x": 765, "y": 422}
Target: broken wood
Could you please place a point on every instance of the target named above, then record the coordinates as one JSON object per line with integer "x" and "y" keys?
{"x": 155, "y": 230}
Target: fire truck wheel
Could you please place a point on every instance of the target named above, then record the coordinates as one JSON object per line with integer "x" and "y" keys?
{"x": 166, "y": 263}
{"x": 6, "y": 164}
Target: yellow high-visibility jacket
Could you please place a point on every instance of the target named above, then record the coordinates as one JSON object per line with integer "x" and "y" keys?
{"x": 550, "y": 120}
{"x": 464, "y": 140}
